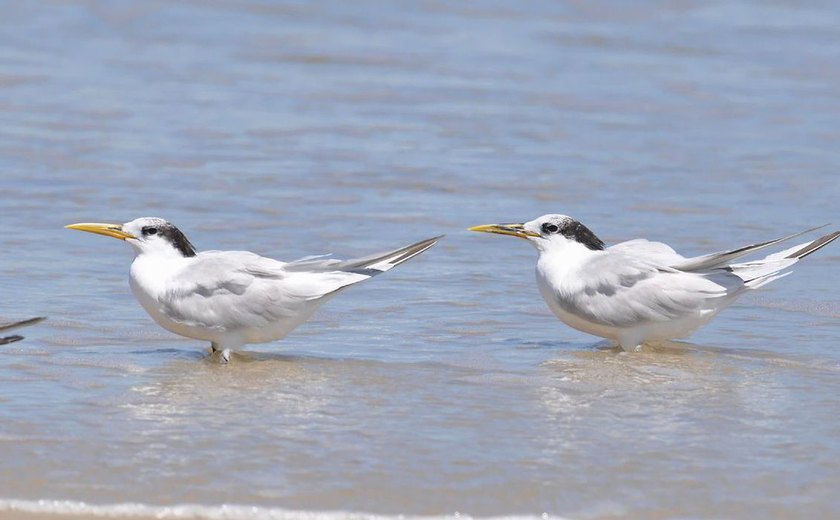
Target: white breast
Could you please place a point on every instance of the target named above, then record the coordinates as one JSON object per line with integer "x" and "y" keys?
{"x": 148, "y": 279}
{"x": 552, "y": 299}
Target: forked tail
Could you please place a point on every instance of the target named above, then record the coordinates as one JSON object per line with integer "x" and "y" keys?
{"x": 812, "y": 247}
{"x": 757, "y": 273}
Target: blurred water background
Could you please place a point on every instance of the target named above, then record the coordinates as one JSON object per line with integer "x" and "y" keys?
{"x": 444, "y": 386}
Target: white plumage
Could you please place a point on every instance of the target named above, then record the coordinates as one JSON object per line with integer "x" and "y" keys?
{"x": 232, "y": 298}
{"x": 639, "y": 291}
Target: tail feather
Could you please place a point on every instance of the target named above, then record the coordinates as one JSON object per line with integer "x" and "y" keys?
{"x": 814, "y": 246}
{"x": 760, "y": 272}
{"x": 755, "y": 283}
{"x": 723, "y": 258}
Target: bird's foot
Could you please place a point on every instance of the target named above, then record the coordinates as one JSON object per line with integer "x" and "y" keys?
{"x": 630, "y": 346}
{"x": 222, "y": 355}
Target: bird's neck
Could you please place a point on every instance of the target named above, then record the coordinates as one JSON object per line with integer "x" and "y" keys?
{"x": 151, "y": 272}
{"x": 566, "y": 249}
{"x": 562, "y": 259}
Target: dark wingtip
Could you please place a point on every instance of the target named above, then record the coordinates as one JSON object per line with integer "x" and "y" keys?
{"x": 815, "y": 246}
{"x": 432, "y": 241}
{"x": 415, "y": 249}
{"x": 23, "y": 323}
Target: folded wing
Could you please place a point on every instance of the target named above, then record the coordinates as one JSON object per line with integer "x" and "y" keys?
{"x": 620, "y": 290}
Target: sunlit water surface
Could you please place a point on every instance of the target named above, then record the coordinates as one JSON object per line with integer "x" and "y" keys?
{"x": 444, "y": 386}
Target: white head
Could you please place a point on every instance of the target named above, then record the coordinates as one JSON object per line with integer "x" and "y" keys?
{"x": 549, "y": 232}
{"x": 147, "y": 235}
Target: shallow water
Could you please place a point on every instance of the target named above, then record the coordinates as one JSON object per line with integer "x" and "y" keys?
{"x": 444, "y": 386}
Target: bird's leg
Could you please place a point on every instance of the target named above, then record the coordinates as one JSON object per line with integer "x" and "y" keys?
{"x": 631, "y": 343}
{"x": 217, "y": 351}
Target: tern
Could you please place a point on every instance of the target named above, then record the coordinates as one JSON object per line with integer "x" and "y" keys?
{"x": 642, "y": 292}
{"x": 233, "y": 298}
{"x": 6, "y": 327}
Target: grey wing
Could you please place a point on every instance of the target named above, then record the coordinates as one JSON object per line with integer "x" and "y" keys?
{"x": 227, "y": 290}
{"x": 619, "y": 290}
{"x": 653, "y": 252}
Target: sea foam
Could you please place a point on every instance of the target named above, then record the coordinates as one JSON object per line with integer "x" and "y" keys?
{"x": 65, "y": 508}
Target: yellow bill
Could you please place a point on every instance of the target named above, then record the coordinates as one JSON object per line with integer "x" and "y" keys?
{"x": 109, "y": 230}
{"x": 514, "y": 230}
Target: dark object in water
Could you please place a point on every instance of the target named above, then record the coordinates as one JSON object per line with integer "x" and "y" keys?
{"x": 10, "y": 326}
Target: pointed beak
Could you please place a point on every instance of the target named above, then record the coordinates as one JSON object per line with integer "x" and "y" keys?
{"x": 514, "y": 230}
{"x": 109, "y": 230}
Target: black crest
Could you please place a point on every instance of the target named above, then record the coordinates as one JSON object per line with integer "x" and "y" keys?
{"x": 177, "y": 239}
{"x": 574, "y": 230}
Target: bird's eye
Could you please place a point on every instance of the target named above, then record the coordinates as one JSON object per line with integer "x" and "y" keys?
{"x": 550, "y": 228}
{"x": 149, "y": 230}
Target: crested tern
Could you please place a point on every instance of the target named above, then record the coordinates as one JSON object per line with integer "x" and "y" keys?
{"x": 233, "y": 298}
{"x": 642, "y": 292}
{"x": 6, "y": 327}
